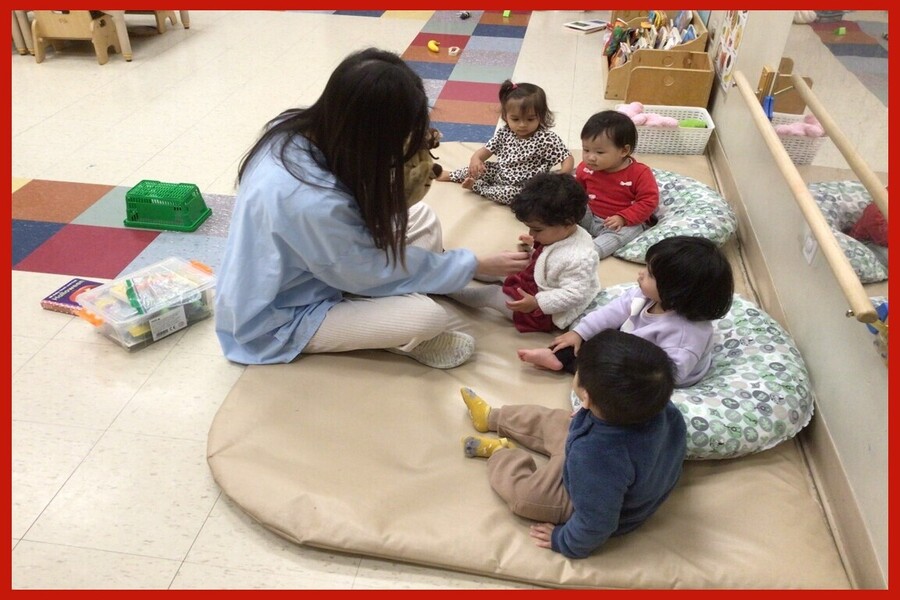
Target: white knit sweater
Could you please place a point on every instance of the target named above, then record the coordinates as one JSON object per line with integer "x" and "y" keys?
{"x": 566, "y": 276}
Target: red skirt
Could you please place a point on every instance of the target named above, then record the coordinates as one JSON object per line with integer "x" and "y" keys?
{"x": 535, "y": 320}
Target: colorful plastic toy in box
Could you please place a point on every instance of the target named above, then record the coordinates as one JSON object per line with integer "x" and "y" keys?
{"x": 151, "y": 303}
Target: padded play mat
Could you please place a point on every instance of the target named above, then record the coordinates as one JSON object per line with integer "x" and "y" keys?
{"x": 361, "y": 452}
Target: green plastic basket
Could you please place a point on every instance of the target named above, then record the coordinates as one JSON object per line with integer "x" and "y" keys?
{"x": 171, "y": 206}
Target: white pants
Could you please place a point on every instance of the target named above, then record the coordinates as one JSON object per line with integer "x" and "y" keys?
{"x": 396, "y": 322}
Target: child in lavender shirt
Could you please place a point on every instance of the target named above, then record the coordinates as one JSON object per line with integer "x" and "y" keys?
{"x": 687, "y": 283}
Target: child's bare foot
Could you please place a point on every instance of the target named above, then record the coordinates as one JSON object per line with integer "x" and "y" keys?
{"x": 468, "y": 182}
{"x": 444, "y": 176}
{"x": 542, "y": 358}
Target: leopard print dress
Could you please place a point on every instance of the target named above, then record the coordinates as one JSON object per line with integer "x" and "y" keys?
{"x": 518, "y": 160}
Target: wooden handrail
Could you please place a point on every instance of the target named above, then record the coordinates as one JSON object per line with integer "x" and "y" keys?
{"x": 860, "y": 304}
{"x": 866, "y": 176}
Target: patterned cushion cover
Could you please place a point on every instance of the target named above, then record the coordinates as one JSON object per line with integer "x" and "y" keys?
{"x": 756, "y": 394}
{"x": 842, "y": 203}
{"x": 686, "y": 207}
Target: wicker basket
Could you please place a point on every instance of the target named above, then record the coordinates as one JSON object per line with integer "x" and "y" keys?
{"x": 801, "y": 148}
{"x": 674, "y": 140}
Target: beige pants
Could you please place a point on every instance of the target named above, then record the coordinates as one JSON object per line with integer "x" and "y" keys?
{"x": 396, "y": 322}
{"x": 530, "y": 491}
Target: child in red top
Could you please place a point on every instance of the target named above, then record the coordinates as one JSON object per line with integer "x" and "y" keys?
{"x": 622, "y": 193}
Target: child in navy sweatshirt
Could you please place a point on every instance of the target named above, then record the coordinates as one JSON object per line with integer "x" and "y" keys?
{"x": 611, "y": 464}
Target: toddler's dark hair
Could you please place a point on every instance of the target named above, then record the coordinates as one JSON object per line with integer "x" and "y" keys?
{"x": 618, "y": 127}
{"x": 552, "y": 199}
{"x": 693, "y": 277}
{"x": 630, "y": 379}
{"x": 532, "y": 98}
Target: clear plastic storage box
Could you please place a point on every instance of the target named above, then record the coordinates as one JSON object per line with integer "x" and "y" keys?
{"x": 151, "y": 303}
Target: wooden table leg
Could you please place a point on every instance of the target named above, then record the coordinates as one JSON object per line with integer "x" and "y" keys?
{"x": 185, "y": 19}
{"x": 118, "y": 17}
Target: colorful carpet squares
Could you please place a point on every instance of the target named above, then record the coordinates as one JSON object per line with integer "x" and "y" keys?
{"x": 463, "y": 86}
{"x": 77, "y": 229}
{"x": 860, "y": 46}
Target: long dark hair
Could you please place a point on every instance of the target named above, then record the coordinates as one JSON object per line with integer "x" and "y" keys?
{"x": 371, "y": 118}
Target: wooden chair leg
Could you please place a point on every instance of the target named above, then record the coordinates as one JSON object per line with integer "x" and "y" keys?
{"x": 186, "y": 19}
{"x": 17, "y": 37}
{"x": 101, "y": 50}
{"x": 161, "y": 16}
{"x": 38, "y": 41}
{"x": 25, "y": 28}
{"x": 104, "y": 36}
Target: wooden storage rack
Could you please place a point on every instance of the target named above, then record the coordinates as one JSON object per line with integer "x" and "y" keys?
{"x": 680, "y": 76}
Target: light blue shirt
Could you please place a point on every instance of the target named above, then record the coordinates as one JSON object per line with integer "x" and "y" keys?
{"x": 295, "y": 247}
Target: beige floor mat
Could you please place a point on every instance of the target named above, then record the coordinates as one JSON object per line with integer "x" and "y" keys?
{"x": 360, "y": 452}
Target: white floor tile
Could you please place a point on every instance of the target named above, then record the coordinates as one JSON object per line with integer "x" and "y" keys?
{"x": 57, "y": 567}
{"x": 23, "y": 349}
{"x": 87, "y": 391}
{"x": 133, "y": 494}
{"x": 199, "y": 577}
{"x": 43, "y": 458}
{"x": 180, "y": 398}
{"x": 230, "y": 539}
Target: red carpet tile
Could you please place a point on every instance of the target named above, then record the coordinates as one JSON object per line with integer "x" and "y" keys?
{"x": 471, "y": 91}
{"x": 88, "y": 251}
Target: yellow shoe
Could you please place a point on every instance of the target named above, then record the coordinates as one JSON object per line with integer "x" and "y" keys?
{"x": 478, "y": 409}
{"x": 483, "y": 446}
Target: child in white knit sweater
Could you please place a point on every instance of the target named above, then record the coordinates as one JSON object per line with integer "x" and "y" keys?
{"x": 561, "y": 279}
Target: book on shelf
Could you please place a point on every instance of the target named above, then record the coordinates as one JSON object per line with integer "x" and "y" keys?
{"x": 588, "y": 25}
{"x": 65, "y": 298}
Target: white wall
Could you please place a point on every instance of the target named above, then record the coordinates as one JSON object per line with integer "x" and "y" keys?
{"x": 848, "y": 376}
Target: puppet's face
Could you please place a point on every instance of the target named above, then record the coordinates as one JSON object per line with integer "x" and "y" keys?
{"x": 421, "y": 170}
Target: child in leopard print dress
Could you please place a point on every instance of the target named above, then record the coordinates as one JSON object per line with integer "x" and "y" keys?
{"x": 523, "y": 147}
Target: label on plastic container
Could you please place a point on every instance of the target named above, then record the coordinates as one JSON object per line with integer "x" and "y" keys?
{"x": 168, "y": 323}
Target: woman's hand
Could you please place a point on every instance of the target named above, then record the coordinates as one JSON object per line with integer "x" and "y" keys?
{"x": 503, "y": 264}
{"x": 569, "y": 338}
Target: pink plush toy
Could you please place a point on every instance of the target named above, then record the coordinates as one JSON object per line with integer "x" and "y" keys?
{"x": 631, "y": 109}
{"x": 635, "y": 110}
{"x": 655, "y": 120}
{"x": 813, "y": 127}
{"x": 809, "y": 127}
